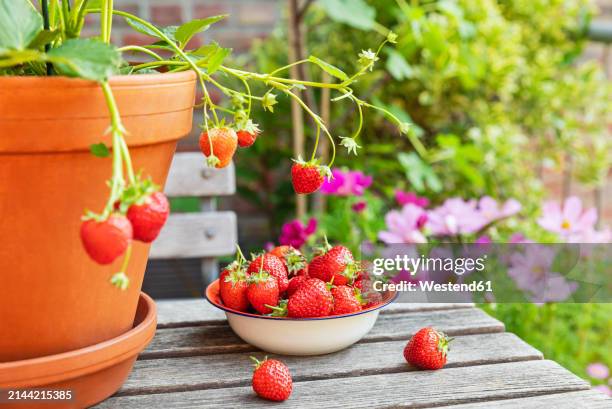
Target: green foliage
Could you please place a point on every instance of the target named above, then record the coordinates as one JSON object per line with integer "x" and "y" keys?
{"x": 574, "y": 335}
{"x": 492, "y": 88}
{"x": 20, "y": 23}
{"x": 86, "y": 58}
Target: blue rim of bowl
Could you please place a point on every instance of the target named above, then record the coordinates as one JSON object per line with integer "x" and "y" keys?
{"x": 392, "y": 298}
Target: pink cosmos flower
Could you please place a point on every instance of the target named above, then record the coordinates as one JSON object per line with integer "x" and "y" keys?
{"x": 455, "y": 216}
{"x": 491, "y": 211}
{"x": 572, "y": 223}
{"x": 531, "y": 271}
{"x": 346, "y": 183}
{"x": 403, "y": 198}
{"x": 598, "y": 370}
{"x": 402, "y": 226}
{"x": 295, "y": 233}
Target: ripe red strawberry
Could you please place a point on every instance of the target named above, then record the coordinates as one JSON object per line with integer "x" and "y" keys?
{"x": 346, "y": 300}
{"x": 273, "y": 266}
{"x": 272, "y": 380}
{"x": 307, "y": 177}
{"x": 248, "y": 134}
{"x": 224, "y": 142}
{"x": 371, "y": 299}
{"x": 312, "y": 299}
{"x": 233, "y": 287}
{"x": 149, "y": 217}
{"x": 263, "y": 292}
{"x": 427, "y": 349}
{"x": 337, "y": 263}
{"x": 295, "y": 283}
{"x": 293, "y": 259}
{"x": 106, "y": 240}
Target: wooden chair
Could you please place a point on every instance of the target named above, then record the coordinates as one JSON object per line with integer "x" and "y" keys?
{"x": 207, "y": 234}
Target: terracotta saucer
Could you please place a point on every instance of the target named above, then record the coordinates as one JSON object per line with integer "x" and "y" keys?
{"x": 91, "y": 374}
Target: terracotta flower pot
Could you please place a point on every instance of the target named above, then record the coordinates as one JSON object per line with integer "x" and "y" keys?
{"x": 90, "y": 374}
{"x": 53, "y": 298}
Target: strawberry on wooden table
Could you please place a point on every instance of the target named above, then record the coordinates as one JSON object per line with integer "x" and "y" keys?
{"x": 273, "y": 266}
{"x": 263, "y": 292}
{"x": 427, "y": 349}
{"x": 272, "y": 379}
{"x": 105, "y": 240}
{"x": 312, "y": 299}
{"x": 148, "y": 216}
{"x": 224, "y": 143}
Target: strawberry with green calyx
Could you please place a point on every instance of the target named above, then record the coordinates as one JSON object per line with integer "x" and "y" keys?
{"x": 308, "y": 177}
{"x": 233, "y": 285}
{"x": 271, "y": 379}
{"x": 247, "y": 134}
{"x": 262, "y": 292}
{"x": 312, "y": 299}
{"x": 272, "y": 265}
{"x": 335, "y": 263}
{"x": 219, "y": 146}
{"x": 105, "y": 240}
{"x": 346, "y": 299}
{"x": 294, "y": 260}
{"x": 427, "y": 349}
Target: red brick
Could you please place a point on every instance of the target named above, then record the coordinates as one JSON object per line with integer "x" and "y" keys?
{"x": 240, "y": 42}
{"x": 132, "y": 38}
{"x": 207, "y": 10}
{"x": 166, "y": 15}
{"x": 257, "y": 13}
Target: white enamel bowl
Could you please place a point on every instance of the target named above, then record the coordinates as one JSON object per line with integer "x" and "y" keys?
{"x": 305, "y": 336}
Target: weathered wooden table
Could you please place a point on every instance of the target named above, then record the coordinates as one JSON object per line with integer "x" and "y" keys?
{"x": 196, "y": 361}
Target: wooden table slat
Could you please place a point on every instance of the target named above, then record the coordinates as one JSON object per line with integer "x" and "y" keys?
{"x": 181, "y": 374}
{"x": 571, "y": 400}
{"x": 219, "y": 338}
{"x": 404, "y": 389}
{"x": 177, "y": 313}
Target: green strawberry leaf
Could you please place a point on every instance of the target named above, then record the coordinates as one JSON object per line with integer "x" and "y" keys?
{"x": 185, "y": 32}
{"x": 420, "y": 175}
{"x": 397, "y": 66}
{"x": 355, "y": 13}
{"x": 100, "y": 150}
{"x": 328, "y": 68}
{"x": 86, "y": 58}
{"x": 212, "y": 55}
{"x": 20, "y": 23}
{"x": 169, "y": 31}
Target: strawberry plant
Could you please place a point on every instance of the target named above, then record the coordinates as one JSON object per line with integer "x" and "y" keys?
{"x": 48, "y": 42}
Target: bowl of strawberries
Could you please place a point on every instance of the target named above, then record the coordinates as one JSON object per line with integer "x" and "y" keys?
{"x": 281, "y": 303}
